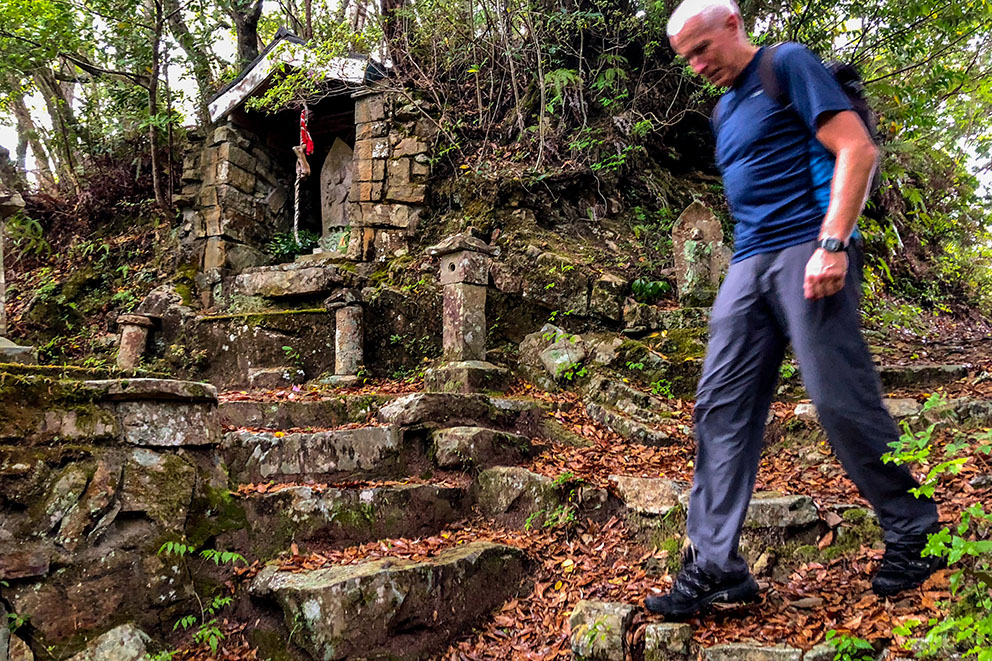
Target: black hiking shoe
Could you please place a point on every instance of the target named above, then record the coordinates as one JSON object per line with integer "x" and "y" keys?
{"x": 695, "y": 589}
{"x": 904, "y": 567}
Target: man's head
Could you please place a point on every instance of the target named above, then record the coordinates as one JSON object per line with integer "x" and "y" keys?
{"x": 710, "y": 35}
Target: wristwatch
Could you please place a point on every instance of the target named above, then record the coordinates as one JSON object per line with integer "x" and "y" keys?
{"x": 830, "y": 244}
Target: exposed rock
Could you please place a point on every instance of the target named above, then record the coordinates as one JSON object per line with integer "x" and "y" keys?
{"x": 604, "y": 352}
{"x": 806, "y": 412}
{"x": 394, "y": 608}
{"x": 902, "y": 407}
{"x": 598, "y": 630}
{"x": 656, "y": 496}
{"x": 630, "y": 429}
{"x": 652, "y": 318}
{"x": 24, "y": 559}
{"x": 923, "y": 375}
{"x": 63, "y": 495}
{"x": 821, "y": 652}
{"x": 478, "y": 447}
{"x": 124, "y": 643}
{"x": 4, "y": 633}
{"x": 287, "y": 414}
{"x": 94, "y": 502}
{"x": 159, "y": 484}
{"x": 627, "y": 400}
{"x": 19, "y": 650}
{"x": 667, "y": 641}
{"x": 281, "y": 283}
{"x": 562, "y": 356}
{"x": 168, "y": 424}
{"x": 465, "y": 377}
{"x": 444, "y": 409}
{"x": 254, "y": 456}
{"x": 983, "y": 481}
{"x": 506, "y": 489}
{"x": 160, "y": 390}
{"x": 769, "y": 509}
{"x": 352, "y": 516}
{"x": 274, "y": 378}
{"x": 12, "y": 353}
{"x": 750, "y": 652}
{"x": 158, "y": 301}
{"x": 701, "y": 258}
{"x": 606, "y": 299}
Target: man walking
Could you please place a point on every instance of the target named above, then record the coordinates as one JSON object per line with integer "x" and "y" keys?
{"x": 795, "y": 176}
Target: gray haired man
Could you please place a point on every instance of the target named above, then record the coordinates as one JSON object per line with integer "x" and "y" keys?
{"x": 795, "y": 176}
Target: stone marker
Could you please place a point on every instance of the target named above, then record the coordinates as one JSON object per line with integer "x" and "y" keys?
{"x": 335, "y": 184}
{"x": 701, "y": 259}
{"x": 465, "y": 262}
{"x": 349, "y": 336}
{"x": 134, "y": 339}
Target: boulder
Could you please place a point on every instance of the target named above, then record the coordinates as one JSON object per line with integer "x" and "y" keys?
{"x": 563, "y": 356}
{"x": 19, "y": 650}
{"x": 769, "y": 509}
{"x": 701, "y": 258}
{"x": 24, "y": 559}
{"x": 654, "y": 496}
{"x": 394, "y": 607}
{"x": 124, "y": 643}
{"x": 477, "y": 446}
{"x": 667, "y": 641}
{"x": 598, "y": 630}
{"x": 505, "y": 489}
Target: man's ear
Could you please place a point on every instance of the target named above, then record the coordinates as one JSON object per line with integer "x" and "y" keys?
{"x": 733, "y": 23}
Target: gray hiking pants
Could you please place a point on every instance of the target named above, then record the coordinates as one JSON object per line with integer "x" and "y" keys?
{"x": 760, "y": 308}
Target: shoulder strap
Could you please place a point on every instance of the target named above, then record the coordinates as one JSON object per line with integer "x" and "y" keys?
{"x": 769, "y": 77}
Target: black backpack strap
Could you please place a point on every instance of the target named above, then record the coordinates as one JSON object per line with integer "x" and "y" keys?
{"x": 769, "y": 77}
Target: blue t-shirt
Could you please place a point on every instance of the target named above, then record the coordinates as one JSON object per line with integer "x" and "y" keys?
{"x": 776, "y": 174}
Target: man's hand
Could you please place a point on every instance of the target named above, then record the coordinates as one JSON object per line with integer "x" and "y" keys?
{"x": 825, "y": 274}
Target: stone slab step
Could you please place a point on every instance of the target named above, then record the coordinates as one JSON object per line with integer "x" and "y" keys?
{"x": 475, "y": 447}
{"x": 452, "y": 409}
{"x": 263, "y": 456}
{"x": 393, "y": 608}
{"x": 599, "y": 630}
{"x": 354, "y": 515}
{"x": 300, "y": 414}
{"x": 627, "y": 400}
{"x": 921, "y": 375}
{"x": 629, "y": 428}
{"x": 518, "y": 497}
{"x": 644, "y": 317}
{"x": 13, "y": 353}
{"x": 289, "y": 280}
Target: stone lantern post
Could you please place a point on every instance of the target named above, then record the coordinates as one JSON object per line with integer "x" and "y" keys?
{"x": 349, "y": 335}
{"x": 465, "y": 262}
{"x": 134, "y": 339}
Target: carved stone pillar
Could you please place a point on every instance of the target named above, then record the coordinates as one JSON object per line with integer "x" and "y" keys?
{"x": 134, "y": 339}
{"x": 349, "y": 336}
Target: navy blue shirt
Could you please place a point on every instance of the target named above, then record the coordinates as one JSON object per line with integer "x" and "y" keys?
{"x": 776, "y": 174}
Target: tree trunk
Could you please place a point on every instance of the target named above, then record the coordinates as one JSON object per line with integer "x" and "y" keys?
{"x": 157, "y": 184}
{"x": 245, "y": 14}
{"x": 27, "y": 134}
{"x": 198, "y": 58}
{"x": 64, "y": 125}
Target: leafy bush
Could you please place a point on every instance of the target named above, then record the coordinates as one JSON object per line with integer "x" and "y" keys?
{"x": 284, "y": 247}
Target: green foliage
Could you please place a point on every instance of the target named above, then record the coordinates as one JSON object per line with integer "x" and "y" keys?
{"x": 967, "y": 547}
{"x": 662, "y": 387}
{"x": 850, "y": 648}
{"x": 649, "y": 291}
{"x": 283, "y": 247}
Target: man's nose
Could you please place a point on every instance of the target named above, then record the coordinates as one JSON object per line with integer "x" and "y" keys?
{"x": 697, "y": 65}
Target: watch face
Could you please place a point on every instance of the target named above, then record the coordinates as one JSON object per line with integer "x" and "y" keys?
{"x": 832, "y": 245}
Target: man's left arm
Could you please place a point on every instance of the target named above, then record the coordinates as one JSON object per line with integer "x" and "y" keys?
{"x": 844, "y": 135}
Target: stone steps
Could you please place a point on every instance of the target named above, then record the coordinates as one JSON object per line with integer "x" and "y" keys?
{"x": 351, "y": 515}
{"x": 478, "y": 447}
{"x": 359, "y": 452}
{"x": 301, "y": 414}
{"x": 962, "y": 412}
{"x": 392, "y": 608}
{"x": 600, "y": 631}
